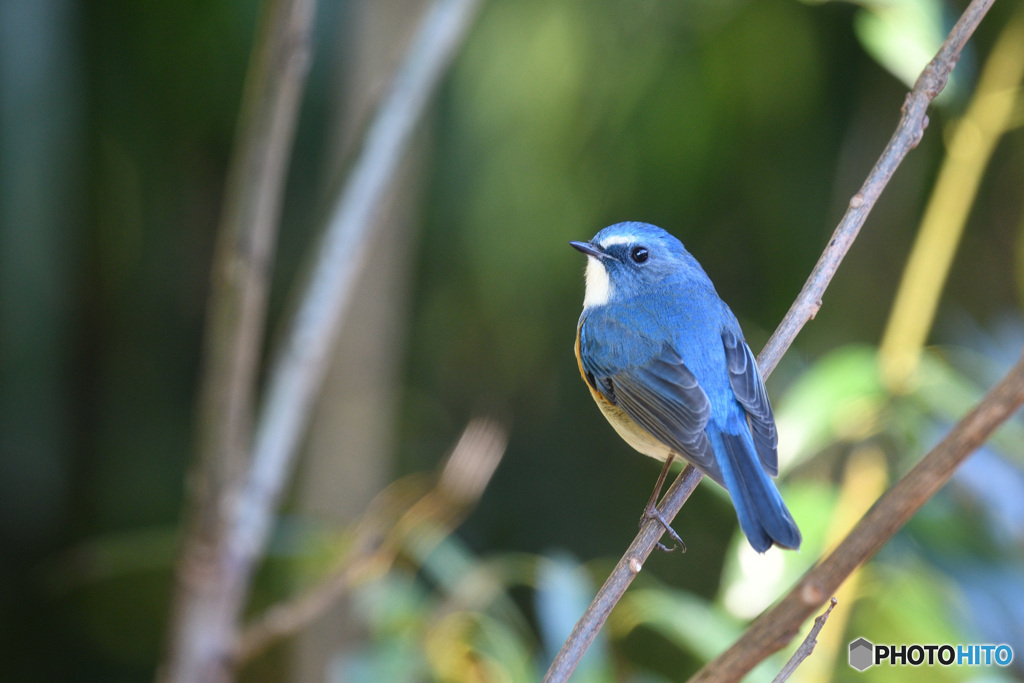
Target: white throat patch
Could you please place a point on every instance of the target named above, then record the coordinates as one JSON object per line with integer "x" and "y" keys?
{"x": 599, "y": 287}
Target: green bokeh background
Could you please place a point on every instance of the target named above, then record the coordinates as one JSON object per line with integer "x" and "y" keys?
{"x": 741, "y": 127}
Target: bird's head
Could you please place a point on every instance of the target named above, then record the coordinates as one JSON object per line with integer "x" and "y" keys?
{"x": 630, "y": 259}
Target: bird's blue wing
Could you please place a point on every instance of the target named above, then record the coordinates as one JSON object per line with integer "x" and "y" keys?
{"x": 653, "y": 387}
{"x": 748, "y": 386}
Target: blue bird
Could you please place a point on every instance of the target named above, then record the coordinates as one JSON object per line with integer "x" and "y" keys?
{"x": 666, "y": 362}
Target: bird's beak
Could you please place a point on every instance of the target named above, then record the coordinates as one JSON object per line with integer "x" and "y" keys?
{"x": 589, "y": 249}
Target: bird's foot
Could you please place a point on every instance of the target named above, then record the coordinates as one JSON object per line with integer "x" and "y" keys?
{"x": 652, "y": 512}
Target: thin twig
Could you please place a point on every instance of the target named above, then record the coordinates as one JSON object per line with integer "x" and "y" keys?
{"x": 625, "y": 570}
{"x": 462, "y": 482}
{"x": 907, "y": 135}
{"x": 806, "y": 647}
{"x": 968, "y": 154}
{"x": 774, "y": 628}
{"x": 220, "y": 568}
{"x": 236, "y": 312}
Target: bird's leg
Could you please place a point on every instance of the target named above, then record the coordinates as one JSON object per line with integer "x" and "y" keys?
{"x": 651, "y": 510}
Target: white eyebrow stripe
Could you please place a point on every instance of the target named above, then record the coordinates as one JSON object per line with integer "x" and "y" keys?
{"x": 615, "y": 239}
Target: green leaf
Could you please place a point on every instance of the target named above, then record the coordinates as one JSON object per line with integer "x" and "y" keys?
{"x": 563, "y": 592}
{"x": 838, "y": 398}
{"x": 901, "y": 35}
{"x": 689, "y": 621}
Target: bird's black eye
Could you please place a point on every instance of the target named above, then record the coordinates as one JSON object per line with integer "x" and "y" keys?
{"x": 638, "y": 254}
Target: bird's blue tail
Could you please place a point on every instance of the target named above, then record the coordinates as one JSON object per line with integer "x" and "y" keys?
{"x": 762, "y": 513}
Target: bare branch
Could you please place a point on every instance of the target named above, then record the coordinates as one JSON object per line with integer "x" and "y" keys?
{"x": 773, "y": 629}
{"x": 806, "y": 647}
{"x": 908, "y": 133}
{"x": 237, "y": 307}
{"x": 218, "y": 564}
{"x": 626, "y": 569}
{"x": 463, "y": 479}
{"x": 968, "y": 155}
{"x": 298, "y": 370}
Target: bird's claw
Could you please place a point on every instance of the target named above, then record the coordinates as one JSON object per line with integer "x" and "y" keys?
{"x": 652, "y": 512}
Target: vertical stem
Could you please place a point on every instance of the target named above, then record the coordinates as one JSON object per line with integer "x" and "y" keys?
{"x": 219, "y": 561}
{"x": 973, "y": 142}
{"x": 235, "y": 321}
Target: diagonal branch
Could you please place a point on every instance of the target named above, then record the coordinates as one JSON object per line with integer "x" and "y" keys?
{"x": 968, "y": 155}
{"x": 773, "y": 629}
{"x": 908, "y": 133}
{"x": 376, "y": 543}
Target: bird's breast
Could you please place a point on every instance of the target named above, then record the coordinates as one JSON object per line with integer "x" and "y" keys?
{"x": 632, "y": 433}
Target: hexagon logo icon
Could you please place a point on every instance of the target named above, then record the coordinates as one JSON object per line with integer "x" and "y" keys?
{"x": 862, "y": 654}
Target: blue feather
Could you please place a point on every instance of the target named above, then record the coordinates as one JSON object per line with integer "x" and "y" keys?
{"x": 666, "y": 356}
{"x": 760, "y": 509}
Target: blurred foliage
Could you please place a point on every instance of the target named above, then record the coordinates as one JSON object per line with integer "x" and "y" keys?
{"x": 741, "y": 127}
{"x": 453, "y": 614}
